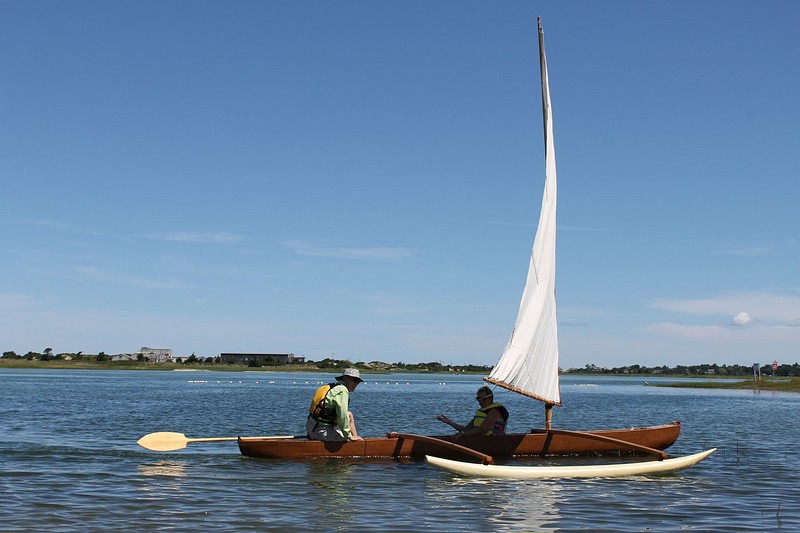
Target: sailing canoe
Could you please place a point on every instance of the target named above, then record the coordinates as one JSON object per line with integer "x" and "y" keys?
{"x": 536, "y": 443}
{"x": 605, "y": 470}
{"x": 528, "y": 366}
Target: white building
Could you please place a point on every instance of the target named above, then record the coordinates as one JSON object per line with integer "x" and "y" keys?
{"x": 156, "y": 355}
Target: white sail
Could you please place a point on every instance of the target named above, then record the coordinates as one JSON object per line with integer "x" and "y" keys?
{"x": 529, "y": 364}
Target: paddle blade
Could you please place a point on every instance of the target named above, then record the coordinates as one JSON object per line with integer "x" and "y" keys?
{"x": 163, "y": 441}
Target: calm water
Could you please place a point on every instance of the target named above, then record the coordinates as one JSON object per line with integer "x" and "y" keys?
{"x": 70, "y": 461}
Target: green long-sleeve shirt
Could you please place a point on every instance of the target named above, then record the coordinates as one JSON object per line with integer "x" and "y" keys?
{"x": 338, "y": 398}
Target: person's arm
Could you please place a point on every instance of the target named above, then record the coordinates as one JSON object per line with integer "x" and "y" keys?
{"x": 341, "y": 399}
{"x": 457, "y": 427}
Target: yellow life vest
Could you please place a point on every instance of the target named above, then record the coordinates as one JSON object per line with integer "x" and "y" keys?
{"x": 499, "y": 426}
{"x": 317, "y": 409}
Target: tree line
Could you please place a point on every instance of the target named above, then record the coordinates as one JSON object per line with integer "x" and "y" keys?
{"x": 330, "y": 364}
{"x": 327, "y": 364}
{"x": 783, "y": 370}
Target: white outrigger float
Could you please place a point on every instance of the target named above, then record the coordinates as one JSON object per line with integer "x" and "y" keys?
{"x": 603, "y": 470}
{"x": 529, "y": 363}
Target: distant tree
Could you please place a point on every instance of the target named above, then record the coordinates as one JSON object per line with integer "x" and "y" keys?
{"x": 48, "y": 351}
{"x": 140, "y": 357}
{"x": 191, "y": 359}
{"x": 10, "y": 355}
{"x": 334, "y": 363}
{"x": 102, "y": 357}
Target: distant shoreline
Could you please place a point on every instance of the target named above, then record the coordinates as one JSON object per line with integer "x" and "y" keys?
{"x": 765, "y": 384}
{"x": 179, "y": 367}
{"x": 782, "y": 384}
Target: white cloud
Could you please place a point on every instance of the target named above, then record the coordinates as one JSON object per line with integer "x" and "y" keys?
{"x": 214, "y": 237}
{"x": 765, "y": 307}
{"x": 220, "y": 237}
{"x": 119, "y": 278}
{"x": 27, "y": 324}
{"x": 378, "y": 253}
{"x": 16, "y": 301}
{"x": 743, "y": 319}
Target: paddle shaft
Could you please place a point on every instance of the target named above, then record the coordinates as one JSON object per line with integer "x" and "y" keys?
{"x": 272, "y": 437}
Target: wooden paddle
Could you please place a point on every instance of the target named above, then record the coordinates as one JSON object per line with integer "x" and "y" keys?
{"x": 485, "y": 459}
{"x": 167, "y": 441}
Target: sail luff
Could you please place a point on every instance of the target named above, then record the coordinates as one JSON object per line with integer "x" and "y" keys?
{"x": 529, "y": 363}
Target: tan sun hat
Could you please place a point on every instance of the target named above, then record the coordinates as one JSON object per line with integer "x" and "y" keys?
{"x": 353, "y": 373}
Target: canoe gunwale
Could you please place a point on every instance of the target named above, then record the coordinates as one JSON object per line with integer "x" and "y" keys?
{"x": 535, "y": 443}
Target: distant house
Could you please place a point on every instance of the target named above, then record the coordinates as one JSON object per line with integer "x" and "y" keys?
{"x": 259, "y": 358}
{"x": 156, "y": 355}
{"x": 123, "y": 357}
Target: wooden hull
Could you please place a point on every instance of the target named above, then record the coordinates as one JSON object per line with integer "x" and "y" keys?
{"x": 538, "y": 442}
{"x": 605, "y": 470}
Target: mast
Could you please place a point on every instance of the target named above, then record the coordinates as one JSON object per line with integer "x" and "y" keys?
{"x": 547, "y": 125}
{"x": 529, "y": 363}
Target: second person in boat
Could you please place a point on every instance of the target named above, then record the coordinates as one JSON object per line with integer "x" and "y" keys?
{"x": 491, "y": 417}
{"x": 329, "y": 417}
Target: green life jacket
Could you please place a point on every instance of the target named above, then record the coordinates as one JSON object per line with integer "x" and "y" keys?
{"x": 318, "y": 410}
{"x": 499, "y": 427}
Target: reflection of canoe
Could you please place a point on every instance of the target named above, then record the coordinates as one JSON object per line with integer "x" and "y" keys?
{"x": 539, "y": 442}
{"x": 607, "y": 470}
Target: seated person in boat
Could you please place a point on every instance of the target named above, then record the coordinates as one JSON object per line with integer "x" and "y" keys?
{"x": 490, "y": 418}
{"x": 328, "y": 416}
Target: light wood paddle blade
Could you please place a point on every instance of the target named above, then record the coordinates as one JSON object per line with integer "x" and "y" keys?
{"x": 167, "y": 441}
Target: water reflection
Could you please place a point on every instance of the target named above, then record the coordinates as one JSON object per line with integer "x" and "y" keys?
{"x": 161, "y": 481}
{"x": 750, "y": 483}
{"x": 164, "y": 468}
{"x": 330, "y": 484}
{"x": 533, "y": 503}
{"x": 498, "y": 504}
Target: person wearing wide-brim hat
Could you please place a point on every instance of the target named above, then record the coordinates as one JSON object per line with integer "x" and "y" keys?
{"x": 329, "y": 417}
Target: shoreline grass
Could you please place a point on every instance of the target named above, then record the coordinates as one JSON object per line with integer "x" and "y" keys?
{"x": 767, "y": 384}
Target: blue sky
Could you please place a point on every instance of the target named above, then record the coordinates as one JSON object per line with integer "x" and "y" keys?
{"x": 361, "y": 179}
